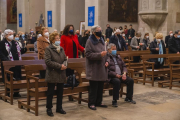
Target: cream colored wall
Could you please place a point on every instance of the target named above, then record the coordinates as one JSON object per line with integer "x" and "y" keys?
{"x": 31, "y": 11}
{"x": 75, "y": 12}
{"x": 3, "y": 15}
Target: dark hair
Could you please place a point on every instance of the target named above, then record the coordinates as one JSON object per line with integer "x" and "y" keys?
{"x": 130, "y": 25}
{"x": 66, "y": 29}
{"x": 15, "y": 34}
{"x": 125, "y": 25}
{"x": 145, "y": 35}
{"x": 177, "y": 31}
{"x": 85, "y": 32}
{"x": 107, "y": 24}
{"x": 120, "y": 27}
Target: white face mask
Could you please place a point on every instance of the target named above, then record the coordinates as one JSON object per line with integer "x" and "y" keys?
{"x": 10, "y": 37}
{"x": 123, "y": 35}
{"x": 158, "y": 40}
{"x": 46, "y": 34}
{"x": 147, "y": 37}
{"x": 171, "y": 34}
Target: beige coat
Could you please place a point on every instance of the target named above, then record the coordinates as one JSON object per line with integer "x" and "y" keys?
{"x": 95, "y": 63}
{"x": 42, "y": 43}
{"x": 134, "y": 44}
{"x": 54, "y": 61}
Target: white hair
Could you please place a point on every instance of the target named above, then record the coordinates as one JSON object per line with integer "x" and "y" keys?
{"x": 55, "y": 30}
{"x": 39, "y": 35}
{"x": 7, "y": 31}
{"x": 110, "y": 46}
{"x": 118, "y": 30}
{"x": 93, "y": 29}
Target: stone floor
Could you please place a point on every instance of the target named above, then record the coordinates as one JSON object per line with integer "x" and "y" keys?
{"x": 153, "y": 103}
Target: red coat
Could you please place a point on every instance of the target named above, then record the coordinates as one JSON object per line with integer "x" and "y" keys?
{"x": 67, "y": 44}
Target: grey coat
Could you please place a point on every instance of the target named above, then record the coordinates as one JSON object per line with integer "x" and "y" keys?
{"x": 134, "y": 44}
{"x": 54, "y": 61}
{"x": 95, "y": 63}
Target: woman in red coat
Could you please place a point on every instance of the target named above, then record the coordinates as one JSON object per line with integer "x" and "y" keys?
{"x": 71, "y": 45}
{"x": 70, "y": 42}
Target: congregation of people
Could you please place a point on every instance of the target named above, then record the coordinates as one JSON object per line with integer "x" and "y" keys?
{"x": 103, "y": 64}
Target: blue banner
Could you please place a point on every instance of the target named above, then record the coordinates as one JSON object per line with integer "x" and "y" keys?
{"x": 91, "y": 15}
{"x": 20, "y": 19}
{"x": 49, "y": 18}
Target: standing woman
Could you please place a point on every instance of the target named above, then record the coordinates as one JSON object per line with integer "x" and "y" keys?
{"x": 85, "y": 38}
{"x": 96, "y": 67}
{"x": 71, "y": 45}
{"x": 146, "y": 41}
{"x": 55, "y": 72}
{"x": 43, "y": 42}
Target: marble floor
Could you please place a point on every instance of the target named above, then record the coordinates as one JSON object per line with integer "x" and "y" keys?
{"x": 153, "y": 103}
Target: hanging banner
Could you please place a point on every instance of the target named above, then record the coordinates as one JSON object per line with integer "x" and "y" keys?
{"x": 91, "y": 15}
{"x": 20, "y": 19}
{"x": 49, "y": 18}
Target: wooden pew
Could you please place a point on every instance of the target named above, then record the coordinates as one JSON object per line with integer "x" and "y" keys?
{"x": 36, "y": 92}
{"x": 29, "y": 55}
{"x": 20, "y": 84}
{"x": 29, "y": 46}
{"x": 174, "y": 73}
{"x": 153, "y": 72}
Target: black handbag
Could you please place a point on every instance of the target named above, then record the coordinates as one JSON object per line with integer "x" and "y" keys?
{"x": 72, "y": 81}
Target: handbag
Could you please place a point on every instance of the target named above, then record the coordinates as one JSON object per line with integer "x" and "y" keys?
{"x": 72, "y": 81}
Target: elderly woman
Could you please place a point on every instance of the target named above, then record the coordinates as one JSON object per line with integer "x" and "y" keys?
{"x": 10, "y": 50}
{"x": 117, "y": 74}
{"x": 43, "y": 42}
{"x": 137, "y": 44}
{"x": 158, "y": 47}
{"x": 96, "y": 67}
{"x": 55, "y": 60}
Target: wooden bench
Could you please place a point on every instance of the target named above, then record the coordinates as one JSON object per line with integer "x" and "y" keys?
{"x": 174, "y": 72}
{"x": 37, "y": 93}
{"x": 153, "y": 72}
{"x": 30, "y": 46}
{"x": 20, "y": 84}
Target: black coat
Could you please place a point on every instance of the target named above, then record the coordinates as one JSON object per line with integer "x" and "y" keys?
{"x": 166, "y": 40}
{"x": 131, "y": 33}
{"x": 84, "y": 40}
{"x": 153, "y": 50}
{"x": 114, "y": 39}
{"x": 79, "y": 39}
{"x": 174, "y": 45}
{"x": 22, "y": 41}
{"x": 109, "y": 32}
{"x": 4, "y": 53}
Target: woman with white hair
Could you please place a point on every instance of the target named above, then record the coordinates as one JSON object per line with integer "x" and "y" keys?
{"x": 96, "y": 67}
{"x": 10, "y": 50}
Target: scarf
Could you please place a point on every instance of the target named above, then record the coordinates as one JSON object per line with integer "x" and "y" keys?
{"x": 57, "y": 48}
{"x": 9, "y": 51}
{"x": 160, "y": 53}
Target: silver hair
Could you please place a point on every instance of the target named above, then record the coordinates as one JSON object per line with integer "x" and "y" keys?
{"x": 110, "y": 46}
{"x": 93, "y": 29}
{"x": 7, "y": 31}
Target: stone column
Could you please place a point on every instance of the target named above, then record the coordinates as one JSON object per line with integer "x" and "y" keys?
{"x": 3, "y": 15}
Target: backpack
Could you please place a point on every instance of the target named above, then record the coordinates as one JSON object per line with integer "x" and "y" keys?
{"x": 72, "y": 81}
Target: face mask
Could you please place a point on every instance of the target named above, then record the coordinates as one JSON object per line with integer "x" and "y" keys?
{"x": 23, "y": 35}
{"x": 158, "y": 40}
{"x": 77, "y": 34}
{"x": 46, "y": 34}
{"x": 87, "y": 34}
{"x": 114, "y": 52}
{"x": 178, "y": 36}
{"x": 99, "y": 34}
{"x": 32, "y": 31}
{"x": 171, "y": 34}
{"x": 137, "y": 38}
{"x": 123, "y": 35}
{"x": 71, "y": 32}
{"x": 16, "y": 38}
{"x": 57, "y": 43}
{"x": 10, "y": 37}
{"x": 147, "y": 37}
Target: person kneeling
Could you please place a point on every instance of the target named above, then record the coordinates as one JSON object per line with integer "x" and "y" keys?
{"x": 117, "y": 74}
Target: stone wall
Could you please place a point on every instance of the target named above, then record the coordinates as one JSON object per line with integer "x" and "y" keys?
{"x": 3, "y": 15}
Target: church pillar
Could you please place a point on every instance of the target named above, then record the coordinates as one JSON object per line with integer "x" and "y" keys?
{"x": 3, "y": 15}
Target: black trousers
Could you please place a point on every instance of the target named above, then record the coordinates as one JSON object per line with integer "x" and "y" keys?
{"x": 116, "y": 87}
{"x": 50, "y": 93}
{"x": 136, "y": 58}
{"x": 95, "y": 92}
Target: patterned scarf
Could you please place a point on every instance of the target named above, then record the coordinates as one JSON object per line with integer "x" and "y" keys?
{"x": 57, "y": 48}
{"x": 9, "y": 51}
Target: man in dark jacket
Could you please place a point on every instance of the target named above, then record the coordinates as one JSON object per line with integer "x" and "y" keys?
{"x": 158, "y": 47}
{"x": 118, "y": 40}
{"x": 32, "y": 37}
{"x": 131, "y": 33}
{"x": 174, "y": 43}
{"x": 168, "y": 37}
{"x": 117, "y": 74}
{"x": 79, "y": 37}
{"x": 109, "y": 31}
